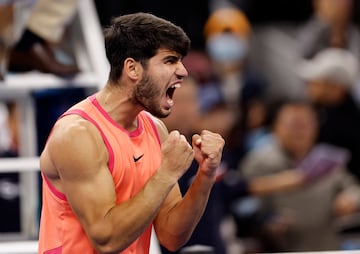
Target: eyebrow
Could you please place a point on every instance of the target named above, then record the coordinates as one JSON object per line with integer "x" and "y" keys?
{"x": 173, "y": 58}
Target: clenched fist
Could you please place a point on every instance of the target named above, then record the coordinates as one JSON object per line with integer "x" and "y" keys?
{"x": 177, "y": 155}
{"x": 208, "y": 147}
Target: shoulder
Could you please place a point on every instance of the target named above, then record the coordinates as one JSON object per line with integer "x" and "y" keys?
{"x": 74, "y": 138}
{"x": 73, "y": 126}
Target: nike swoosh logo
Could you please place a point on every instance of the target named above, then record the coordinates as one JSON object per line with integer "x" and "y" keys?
{"x": 138, "y": 158}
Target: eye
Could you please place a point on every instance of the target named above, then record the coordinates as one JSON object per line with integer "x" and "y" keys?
{"x": 171, "y": 60}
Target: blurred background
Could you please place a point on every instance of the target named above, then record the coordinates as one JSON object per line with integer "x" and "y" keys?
{"x": 278, "y": 79}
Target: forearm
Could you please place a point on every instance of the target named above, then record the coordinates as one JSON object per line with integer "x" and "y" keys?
{"x": 181, "y": 220}
{"x": 281, "y": 181}
{"x": 126, "y": 221}
{"x": 176, "y": 224}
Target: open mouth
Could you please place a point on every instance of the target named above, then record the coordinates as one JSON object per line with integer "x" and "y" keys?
{"x": 170, "y": 91}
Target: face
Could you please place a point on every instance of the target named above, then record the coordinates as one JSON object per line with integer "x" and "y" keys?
{"x": 296, "y": 129}
{"x": 163, "y": 74}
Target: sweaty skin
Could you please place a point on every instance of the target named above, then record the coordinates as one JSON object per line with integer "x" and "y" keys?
{"x": 75, "y": 162}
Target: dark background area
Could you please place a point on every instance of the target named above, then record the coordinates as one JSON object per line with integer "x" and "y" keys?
{"x": 260, "y": 11}
{"x": 191, "y": 15}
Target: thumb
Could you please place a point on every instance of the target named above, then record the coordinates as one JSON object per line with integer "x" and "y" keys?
{"x": 196, "y": 144}
{"x": 196, "y": 140}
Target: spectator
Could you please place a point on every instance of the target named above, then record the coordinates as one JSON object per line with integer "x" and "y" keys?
{"x": 45, "y": 27}
{"x": 330, "y": 77}
{"x": 226, "y": 31}
{"x": 235, "y": 87}
{"x": 330, "y": 26}
{"x": 301, "y": 219}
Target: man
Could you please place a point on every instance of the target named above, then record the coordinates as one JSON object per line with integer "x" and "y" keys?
{"x": 331, "y": 77}
{"x": 107, "y": 179}
{"x": 301, "y": 219}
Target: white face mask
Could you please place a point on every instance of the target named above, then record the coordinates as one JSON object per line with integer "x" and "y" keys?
{"x": 227, "y": 47}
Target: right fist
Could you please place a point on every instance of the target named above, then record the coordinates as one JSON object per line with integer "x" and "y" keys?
{"x": 177, "y": 155}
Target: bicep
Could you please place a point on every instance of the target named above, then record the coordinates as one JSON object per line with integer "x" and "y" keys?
{"x": 80, "y": 158}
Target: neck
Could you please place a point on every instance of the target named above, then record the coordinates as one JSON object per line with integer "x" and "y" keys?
{"x": 117, "y": 103}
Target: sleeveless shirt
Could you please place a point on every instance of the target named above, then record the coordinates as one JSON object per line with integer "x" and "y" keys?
{"x": 133, "y": 159}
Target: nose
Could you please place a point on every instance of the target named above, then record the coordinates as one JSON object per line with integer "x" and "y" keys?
{"x": 181, "y": 70}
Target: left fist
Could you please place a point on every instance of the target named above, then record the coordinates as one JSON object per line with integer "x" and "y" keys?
{"x": 208, "y": 147}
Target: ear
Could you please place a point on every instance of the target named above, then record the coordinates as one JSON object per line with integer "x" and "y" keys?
{"x": 132, "y": 68}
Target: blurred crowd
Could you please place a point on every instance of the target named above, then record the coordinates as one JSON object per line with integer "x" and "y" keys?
{"x": 284, "y": 95}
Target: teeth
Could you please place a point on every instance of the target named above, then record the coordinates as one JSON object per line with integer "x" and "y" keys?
{"x": 176, "y": 86}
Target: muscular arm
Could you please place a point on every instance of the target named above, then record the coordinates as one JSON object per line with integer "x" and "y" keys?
{"x": 176, "y": 222}
{"x": 77, "y": 152}
{"x": 178, "y": 216}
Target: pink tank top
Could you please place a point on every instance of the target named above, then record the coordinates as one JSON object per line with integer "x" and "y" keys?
{"x": 138, "y": 157}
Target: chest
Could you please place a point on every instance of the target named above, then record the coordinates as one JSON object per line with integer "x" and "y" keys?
{"x": 135, "y": 160}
